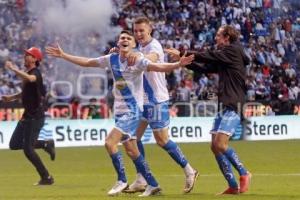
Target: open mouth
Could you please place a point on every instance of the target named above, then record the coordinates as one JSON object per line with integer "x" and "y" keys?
{"x": 125, "y": 45}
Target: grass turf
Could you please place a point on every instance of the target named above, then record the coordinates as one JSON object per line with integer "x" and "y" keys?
{"x": 87, "y": 173}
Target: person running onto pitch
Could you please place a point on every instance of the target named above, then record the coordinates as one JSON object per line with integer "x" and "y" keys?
{"x": 25, "y": 135}
{"x": 229, "y": 61}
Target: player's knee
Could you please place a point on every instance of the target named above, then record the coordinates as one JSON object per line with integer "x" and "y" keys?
{"x": 132, "y": 154}
{"x": 111, "y": 146}
{"x": 212, "y": 148}
{"x": 108, "y": 144}
{"x": 161, "y": 139}
{"x": 161, "y": 143}
{"x": 218, "y": 147}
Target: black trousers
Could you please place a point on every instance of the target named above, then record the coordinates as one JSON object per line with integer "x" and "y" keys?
{"x": 25, "y": 137}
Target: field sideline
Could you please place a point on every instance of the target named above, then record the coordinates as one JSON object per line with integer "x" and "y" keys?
{"x": 87, "y": 173}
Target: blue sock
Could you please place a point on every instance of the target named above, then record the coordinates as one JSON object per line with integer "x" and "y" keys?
{"x": 141, "y": 147}
{"x": 143, "y": 168}
{"x": 226, "y": 169}
{"x": 117, "y": 161}
{"x": 175, "y": 152}
{"x": 235, "y": 161}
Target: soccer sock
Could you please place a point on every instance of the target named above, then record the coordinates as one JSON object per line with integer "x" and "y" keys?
{"x": 188, "y": 169}
{"x": 235, "y": 161}
{"x": 141, "y": 147}
{"x": 143, "y": 168}
{"x": 117, "y": 161}
{"x": 175, "y": 152}
{"x": 226, "y": 169}
{"x": 141, "y": 150}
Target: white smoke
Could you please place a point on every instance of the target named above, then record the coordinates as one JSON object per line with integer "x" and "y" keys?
{"x": 74, "y": 24}
{"x": 75, "y": 16}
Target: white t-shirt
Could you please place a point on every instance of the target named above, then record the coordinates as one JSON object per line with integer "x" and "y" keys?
{"x": 128, "y": 83}
{"x": 155, "y": 84}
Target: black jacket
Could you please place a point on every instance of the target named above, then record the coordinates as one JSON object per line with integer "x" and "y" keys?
{"x": 230, "y": 63}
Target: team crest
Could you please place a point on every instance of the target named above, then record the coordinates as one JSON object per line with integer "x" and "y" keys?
{"x": 120, "y": 83}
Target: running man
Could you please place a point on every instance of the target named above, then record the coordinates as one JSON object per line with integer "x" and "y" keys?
{"x": 229, "y": 60}
{"x": 28, "y": 128}
{"x": 128, "y": 105}
{"x": 156, "y": 107}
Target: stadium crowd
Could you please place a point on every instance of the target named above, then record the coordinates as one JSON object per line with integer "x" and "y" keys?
{"x": 270, "y": 33}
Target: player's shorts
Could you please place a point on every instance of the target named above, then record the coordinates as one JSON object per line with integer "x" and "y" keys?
{"x": 226, "y": 122}
{"x": 157, "y": 115}
{"x": 128, "y": 123}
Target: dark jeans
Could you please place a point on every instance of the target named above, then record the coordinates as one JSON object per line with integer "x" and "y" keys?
{"x": 25, "y": 137}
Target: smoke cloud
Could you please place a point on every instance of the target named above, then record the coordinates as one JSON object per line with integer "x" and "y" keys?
{"x": 75, "y": 17}
{"x": 83, "y": 28}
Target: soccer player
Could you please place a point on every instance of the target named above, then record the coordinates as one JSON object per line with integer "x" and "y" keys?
{"x": 229, "y": 60}
{"x": 27, "y": 131}
{"x": 128, "y": 105}
{"x": 156, "y": 110}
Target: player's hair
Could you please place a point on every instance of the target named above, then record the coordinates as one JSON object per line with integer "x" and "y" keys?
{"x": 128, "y": 32}
{"x": 231, "y": 32}
{"x": 141, "y": 20}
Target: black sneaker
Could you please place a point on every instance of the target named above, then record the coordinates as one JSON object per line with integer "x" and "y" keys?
{"x": 47, "y": 181}
{"x": 50, "y": 148}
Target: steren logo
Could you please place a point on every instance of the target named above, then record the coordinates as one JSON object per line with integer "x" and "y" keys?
{"x": 65, "y": 133}
{"x": 253, "y": 128}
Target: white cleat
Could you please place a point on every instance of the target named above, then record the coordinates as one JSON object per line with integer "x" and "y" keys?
{"x": 151, "y": 191}
{"x": 190, "y": 181}
{"x": 117, "y": 188}
{"x": 139, "y": 185}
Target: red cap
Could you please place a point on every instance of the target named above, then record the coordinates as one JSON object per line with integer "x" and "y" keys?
{"x": 35, "y": 52}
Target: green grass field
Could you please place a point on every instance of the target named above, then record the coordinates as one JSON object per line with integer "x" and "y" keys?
{"x": 87, "y": 173}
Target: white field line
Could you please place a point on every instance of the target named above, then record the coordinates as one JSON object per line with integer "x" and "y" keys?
{"x": 165, "y": 175}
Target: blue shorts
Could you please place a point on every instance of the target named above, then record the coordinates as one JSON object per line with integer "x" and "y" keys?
{"x": 226, "y": 122}
{"x": 128, "y": 123}
{"x": 157, "y": 115}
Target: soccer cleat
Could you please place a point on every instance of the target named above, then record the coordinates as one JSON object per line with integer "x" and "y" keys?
{"x": 245, "y": 182}
{"x": 47, "y": 181}
{"x": 230, "y": 191}
{"x": 50, "y": 148}
{"x": 117, "y": 188}
{"x": 190, "y": 181}
{"x": 139, "y": 185}
{"x": 151, "y": 191}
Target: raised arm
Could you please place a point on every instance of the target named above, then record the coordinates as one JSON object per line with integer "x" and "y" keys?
{"x": 82, "y": 61}
{"x": 168, "y": 67}
{"x": 23, "y": 75}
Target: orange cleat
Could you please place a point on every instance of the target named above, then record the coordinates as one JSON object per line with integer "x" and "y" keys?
{"x": 230, "y": 191}
{"x": 245, "y": 182}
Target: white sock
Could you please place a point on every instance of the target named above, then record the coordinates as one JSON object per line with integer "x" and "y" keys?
{"x": 140, "y": 177}
{"x": 188, "y": 169}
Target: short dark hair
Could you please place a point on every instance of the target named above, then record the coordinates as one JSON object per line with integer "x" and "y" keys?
{"x": 231, "y": 32}
{"x": 128, "y": 32}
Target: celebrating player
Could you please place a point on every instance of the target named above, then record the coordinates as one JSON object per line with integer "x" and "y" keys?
{"x": 128, "y": 105}
{"x": 156, "y": 110}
